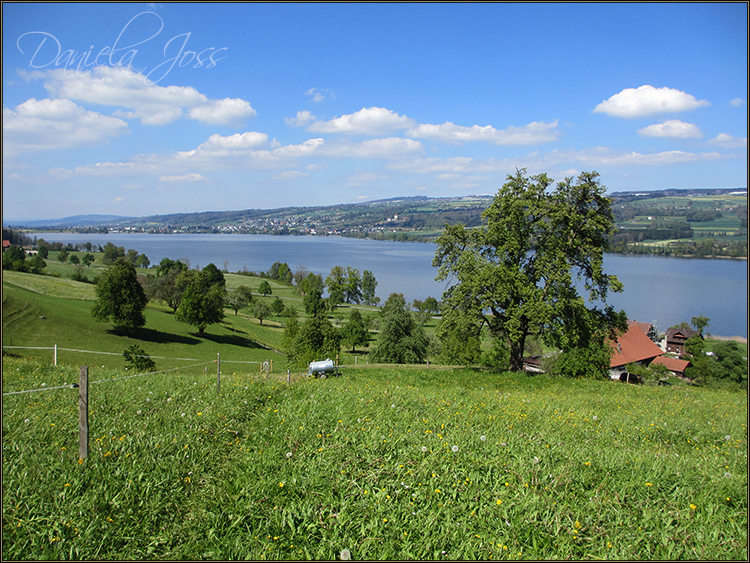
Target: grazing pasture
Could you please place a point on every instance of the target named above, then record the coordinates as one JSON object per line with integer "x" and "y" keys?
{"x": 383, "y": 462}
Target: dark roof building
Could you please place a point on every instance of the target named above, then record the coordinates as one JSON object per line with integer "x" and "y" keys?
{"x": 676, "y": 338}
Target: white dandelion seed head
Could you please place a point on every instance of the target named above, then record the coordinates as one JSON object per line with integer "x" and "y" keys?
{"x": 424, "y": 448}
{"x": 594, "y": 417}
{"x": 536, "y": 460}
{"x": 345, "y": 555}
{"x": 727, "y": 475}
{"x": 393, "y": 406}
{"x": 727, "y": 437}
{"x": 483, "y": 438}
{"x": 27, "y": 421}
{"x": 454, "y": 449}
{"x": 289, "y": 454}
{"x": 138, "y": 412}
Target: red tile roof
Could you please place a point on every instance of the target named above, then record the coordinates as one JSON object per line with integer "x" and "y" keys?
{"x": 633, "y": 346}
{"x": 672, "y": 364}
{"x": 645, "y": 327}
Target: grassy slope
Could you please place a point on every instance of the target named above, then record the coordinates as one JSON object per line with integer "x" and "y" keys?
{"x": 67, "y": 322}
{"x": 365, "y": 462}
{"x": 65, "y": 305}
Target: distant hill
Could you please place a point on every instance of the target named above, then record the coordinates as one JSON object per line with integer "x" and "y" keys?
{"x": 74, "y": 221}
{"x": 423, "y": 218}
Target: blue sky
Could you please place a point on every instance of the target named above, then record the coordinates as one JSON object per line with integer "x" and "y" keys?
{"x": 140, "y": 109}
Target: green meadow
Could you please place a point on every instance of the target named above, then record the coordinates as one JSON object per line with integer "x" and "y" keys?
{"x": 379, "y": 462}
{"x": 387, "y": 463}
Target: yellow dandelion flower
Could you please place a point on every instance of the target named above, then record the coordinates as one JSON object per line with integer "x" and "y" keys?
{"x": 499, "y": 502}
{"x": 693, "y": 506}
{"x": 649, "y": 484}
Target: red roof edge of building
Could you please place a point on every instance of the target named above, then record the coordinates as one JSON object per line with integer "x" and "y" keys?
{"x": 633, "y": 346}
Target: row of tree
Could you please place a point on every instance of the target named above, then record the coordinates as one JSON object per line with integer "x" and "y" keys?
{"x": 197, "y": 297}
{"x": 402, "y": 339}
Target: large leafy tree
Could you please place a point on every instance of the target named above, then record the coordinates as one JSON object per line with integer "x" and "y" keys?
{"x": 369, "y": 283}
{"x": 516, "y": 273}
{"x": 14, "y": 258}
{"x": 402, "y": 340}
{"x": 163, "y": 286}
{"x": 353, "y": 287}
{"x": 239, "y": 298}
{"x": 316, "y": 339}
{"x": 312, "y": 288}
{"x": 336, "y": 283}
{"x": 120, "y": 297}
{"x": 355, "y": 331}
{"x": 202, "y": 300}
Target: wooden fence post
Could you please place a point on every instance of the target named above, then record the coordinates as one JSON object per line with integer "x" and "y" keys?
{"x": 83, "y": 413}
{"x": 218, "y": 374}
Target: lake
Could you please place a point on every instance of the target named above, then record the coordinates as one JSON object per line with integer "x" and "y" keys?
{"x": 664, "y": 291}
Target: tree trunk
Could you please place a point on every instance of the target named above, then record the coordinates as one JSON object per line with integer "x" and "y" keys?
{"x": 516, "y": 354}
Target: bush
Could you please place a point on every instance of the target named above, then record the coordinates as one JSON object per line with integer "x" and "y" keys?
{"x": 591, "y": 362}
{"x": 138, "y": 359}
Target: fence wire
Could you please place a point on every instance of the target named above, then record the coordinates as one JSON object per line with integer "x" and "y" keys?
{"x": 74, "y": 385}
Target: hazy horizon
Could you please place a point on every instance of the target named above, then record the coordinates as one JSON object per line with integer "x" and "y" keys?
{"x": 152, "y": 109}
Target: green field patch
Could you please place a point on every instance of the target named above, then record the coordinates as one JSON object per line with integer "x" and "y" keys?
{"x": 389, "y": 463}
{"x": 46, "y": 285}
{"x": 39, "y": 320}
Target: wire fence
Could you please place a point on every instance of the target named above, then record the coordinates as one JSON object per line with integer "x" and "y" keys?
{"x": 266, "y": 366}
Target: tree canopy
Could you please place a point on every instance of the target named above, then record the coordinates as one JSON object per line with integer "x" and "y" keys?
{"x": 120, "y": 297}
{"x": 316, "y": 339}
{"x": 355, "y": 331}
{"x": 202, "y": 300}
{"x": 402, "y": 340}
{"x": 516, "y": 273}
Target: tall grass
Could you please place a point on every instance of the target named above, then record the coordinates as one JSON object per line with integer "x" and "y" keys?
{"x": 385, "y": 463}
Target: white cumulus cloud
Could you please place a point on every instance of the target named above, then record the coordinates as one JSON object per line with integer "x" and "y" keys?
{"x": 302, "y": 118}
{"x": 672, "y": 128}
{"x": 647, "y": 100}
{"x": 236, "y": 142}
{"x": 367, "y": 121}
{"x": 533, "y": 133}
{"x": 320, "y": 94}
{"x": 389, "y": 147}
{"x": 55, "y": 124}
{"x": 191, "y": 177}
{"x": 729, "y": 142}
{"x": 152, "y": 104}
{"x": 229, "y": 111}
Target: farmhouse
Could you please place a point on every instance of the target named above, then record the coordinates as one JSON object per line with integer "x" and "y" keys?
{"x": 633, "y": 347}
{"x": 675, "y": 365}
{"x": 676, "y": 338}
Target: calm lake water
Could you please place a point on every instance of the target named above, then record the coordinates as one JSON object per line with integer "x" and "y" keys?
{"x": 664, "y": 291}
